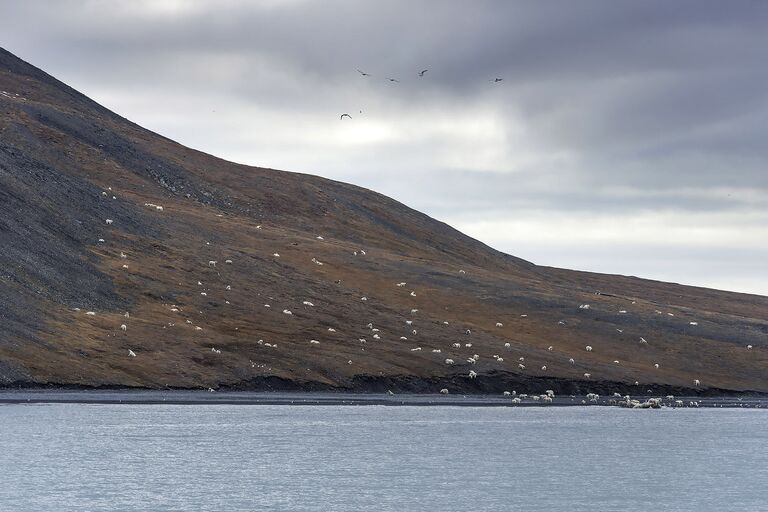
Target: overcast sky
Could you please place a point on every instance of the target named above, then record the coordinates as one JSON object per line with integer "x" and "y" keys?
{"x": 626, "y": 136}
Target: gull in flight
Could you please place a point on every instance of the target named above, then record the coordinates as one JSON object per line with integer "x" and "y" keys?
{"x": 421, "y": 73}
{"x": 363, "y": 73}
{"x": 345, "y": 115}
{"x": 496, "y": 80}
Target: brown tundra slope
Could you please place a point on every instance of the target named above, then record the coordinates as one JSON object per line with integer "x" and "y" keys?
{"x": 67, "y": 165}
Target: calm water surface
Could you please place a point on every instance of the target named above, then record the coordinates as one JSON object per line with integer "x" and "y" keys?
{"x": 67, "y": 457}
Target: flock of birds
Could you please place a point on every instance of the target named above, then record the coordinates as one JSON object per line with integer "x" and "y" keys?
{"x": 420, "y": 74}
{"x": 453, "y": 350}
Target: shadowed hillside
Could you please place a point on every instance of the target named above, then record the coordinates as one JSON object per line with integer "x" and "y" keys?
{"x": 104, "y": 224}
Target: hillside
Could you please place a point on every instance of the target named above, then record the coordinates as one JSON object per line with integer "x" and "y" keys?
{"x": 68, "y": 165}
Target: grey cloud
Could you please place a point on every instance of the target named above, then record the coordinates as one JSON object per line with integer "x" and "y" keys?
{"x": 654, "y": 105}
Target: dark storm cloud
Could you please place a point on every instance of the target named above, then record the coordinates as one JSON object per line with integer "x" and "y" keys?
{"x": 607, "y": 108}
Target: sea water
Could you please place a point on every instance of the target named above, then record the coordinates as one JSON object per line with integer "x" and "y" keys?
{"x": 84, "y": 457}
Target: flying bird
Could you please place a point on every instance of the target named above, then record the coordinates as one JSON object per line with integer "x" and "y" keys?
{"x": 363, "y": 73}
{"x": 421, "y": 73}
{"x": 496, "y": 80}
{"x": 393, "y": 80}
{"x": 342, "y": 116}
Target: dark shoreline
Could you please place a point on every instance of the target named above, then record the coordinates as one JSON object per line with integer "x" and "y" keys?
{"x": 494, "y": 383}
{"x": 199, "y": 397}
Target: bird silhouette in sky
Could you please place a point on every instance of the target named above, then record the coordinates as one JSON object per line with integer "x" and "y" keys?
{"x": 342, "y": 116}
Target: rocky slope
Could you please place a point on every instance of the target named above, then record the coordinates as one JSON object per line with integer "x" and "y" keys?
{"x": 68, "y": 165}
